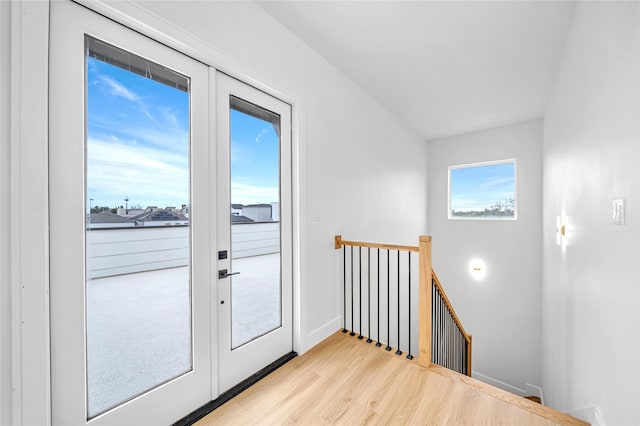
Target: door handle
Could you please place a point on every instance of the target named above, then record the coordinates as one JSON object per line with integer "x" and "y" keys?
{"x": 223, "y": 273}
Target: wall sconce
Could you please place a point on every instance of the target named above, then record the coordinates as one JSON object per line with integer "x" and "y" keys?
{"x": 561, "y": 231}
{"x": 478, "y": 269}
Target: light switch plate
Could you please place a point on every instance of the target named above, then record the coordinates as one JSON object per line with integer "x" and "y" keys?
{"x": 618, "y": 212}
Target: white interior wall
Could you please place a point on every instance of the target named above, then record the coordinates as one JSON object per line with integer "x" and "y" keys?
{"x": 502, "y": 311}
{"x": 5, "y": 290}
{"x": 364, "y": 171}
{"x": 591, "y": 157}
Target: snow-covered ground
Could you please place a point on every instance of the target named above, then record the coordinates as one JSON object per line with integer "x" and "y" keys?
{"x": 138, "y": 325}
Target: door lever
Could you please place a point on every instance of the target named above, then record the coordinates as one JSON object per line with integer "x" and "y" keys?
{"x": 223, "y": 273}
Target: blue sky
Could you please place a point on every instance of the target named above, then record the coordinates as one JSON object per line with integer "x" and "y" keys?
{"x": 255, "y": 159}
{"x": 138, "y": 144}
{"x": 480, "y": 187}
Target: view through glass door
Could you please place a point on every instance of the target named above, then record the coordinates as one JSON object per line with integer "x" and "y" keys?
{"x": 141, "y": 193}
{"x": 254, "y": 230}
{"x": 130, "y": 223}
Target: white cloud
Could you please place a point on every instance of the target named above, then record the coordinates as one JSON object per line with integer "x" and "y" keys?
{"x": 148, "y": 176}
{"x": 262, "y": 134}
{"x": 117, "y": 89}
{"x": 242, "y": 193}
{"x": 170, "y": 117}
{"x": 496, "y": 181}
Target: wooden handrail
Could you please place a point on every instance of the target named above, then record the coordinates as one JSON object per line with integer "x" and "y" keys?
{"x": 339, "y": 242}
{"x": 436, "y": 283}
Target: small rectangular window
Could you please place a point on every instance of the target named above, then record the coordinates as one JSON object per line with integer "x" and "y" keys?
{"x": 483, "y": 191}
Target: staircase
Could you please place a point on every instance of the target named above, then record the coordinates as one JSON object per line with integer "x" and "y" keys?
{"x": 380, "y": 290}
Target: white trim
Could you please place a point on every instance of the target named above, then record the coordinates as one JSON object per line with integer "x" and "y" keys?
{"x": 591, "y": 414}
{"x": 535, "y": 391}
{"x": 5, "y": 223}
{"x": 480, "y": 164}
{"x": 140, "y": 19}
{"x": 298, "y": 200}
{"x": 324, "y": 331}
{"x": 499, "y": 384}
{"x": 29, "y": 212}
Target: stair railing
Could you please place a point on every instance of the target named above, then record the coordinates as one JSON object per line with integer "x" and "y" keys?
{"x": 451, "y": 343}
{"x": 379, "y": 300}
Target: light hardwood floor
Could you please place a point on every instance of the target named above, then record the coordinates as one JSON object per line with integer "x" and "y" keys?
{"x": 347, "y": 381}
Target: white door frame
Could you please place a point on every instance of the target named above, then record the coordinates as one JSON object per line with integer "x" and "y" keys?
{"x": 29, "y": 185}
{"x": 28, "y": 219}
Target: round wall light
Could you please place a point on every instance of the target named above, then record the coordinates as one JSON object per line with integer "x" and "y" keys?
{"x": 478, "y": 269}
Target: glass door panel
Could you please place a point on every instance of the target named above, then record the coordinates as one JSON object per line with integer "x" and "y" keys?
{"x": 130, "y": 199}
{"x": 138, "y": 249}
{"x": 255, "y": 221}
{"x": 255, "y": 301}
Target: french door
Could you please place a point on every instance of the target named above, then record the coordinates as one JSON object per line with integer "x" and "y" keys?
{"x": 170, "y": 226}
{"x": 129, "y": 188}
{"x": 254, "y": 230}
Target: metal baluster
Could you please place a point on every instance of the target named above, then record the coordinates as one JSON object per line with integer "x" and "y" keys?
{"x": 360, "y": 288}
{"x": 450, "y": 340}
{"x": 378, "y": 344}
{"x": 464, "y": 357}
{"x": 344, "y": 289}
{"x": 443, "y": 341}
{"x": 446, "y": 341}
{"x": 447, "y": 334}
{"x": 457, "y": 353}
{"x": 449, "y": 350}
{"x": 388, "y": 348}
{"x": 398, "y": 352}
{"x": 369, "y": 295}
{"x": 461, "y": 347}
{"x": 434, "y": 327}
{"x": 409, "y": 356}
{"x": 437, "y": 323}
{"x": 353, "y": 333}
{"x": 454, "y": 352}
{"x": 440, "y": 331}
{"x": 460, "y": 353}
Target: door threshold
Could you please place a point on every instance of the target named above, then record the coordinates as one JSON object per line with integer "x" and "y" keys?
{"x": 236, "y": 390}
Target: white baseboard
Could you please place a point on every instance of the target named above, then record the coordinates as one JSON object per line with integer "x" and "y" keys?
{"x": 591, "y": 415}
{"x": 533, "y": 390}
{"x": 499, "y": 384}
{"x": 321, "y": 333}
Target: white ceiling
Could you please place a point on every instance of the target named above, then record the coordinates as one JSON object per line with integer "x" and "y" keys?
{"x": 445, "y": 68}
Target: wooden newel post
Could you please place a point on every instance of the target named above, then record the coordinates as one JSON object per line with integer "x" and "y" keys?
{"x": 424, "y": 307}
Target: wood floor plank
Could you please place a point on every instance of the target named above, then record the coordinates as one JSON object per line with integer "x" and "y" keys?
{"x": 344, "y": 380}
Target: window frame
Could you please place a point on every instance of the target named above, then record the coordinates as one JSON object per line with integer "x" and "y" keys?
{"x": 513, "y": 161}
